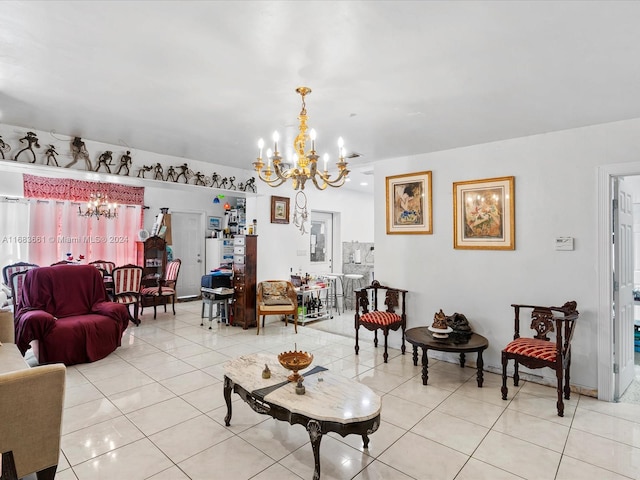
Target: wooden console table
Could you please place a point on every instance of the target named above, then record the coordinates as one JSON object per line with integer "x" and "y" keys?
{"x": 332, "y": 403}
{"x": 421, "y": 337}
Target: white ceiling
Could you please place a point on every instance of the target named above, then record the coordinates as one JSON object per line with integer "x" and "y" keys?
{"x": 205, "y": 79}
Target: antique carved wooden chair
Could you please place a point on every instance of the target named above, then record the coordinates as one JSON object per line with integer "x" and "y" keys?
{"x": 126, "y": 283}
{"x": 9, "y": 270}
{"x": 165, "y": 290}
{"x": 276, "y": 297}
{"x": 540, "y": 351}
{"x": 373, "y": 319}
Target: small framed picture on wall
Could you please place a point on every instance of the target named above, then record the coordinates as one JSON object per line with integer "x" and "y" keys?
{"x": 214, "y": 223}
{"x": 279, "y": 209}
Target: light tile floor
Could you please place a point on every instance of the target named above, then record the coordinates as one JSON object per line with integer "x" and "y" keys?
{"x": 154, "y": 410}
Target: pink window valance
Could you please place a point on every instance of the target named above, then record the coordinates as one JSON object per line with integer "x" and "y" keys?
{"x": 80, "y": 190}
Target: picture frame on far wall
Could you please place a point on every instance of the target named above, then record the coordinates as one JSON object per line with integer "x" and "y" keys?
{"x": 484, "y": 214}
{"x": 214, "y": 223}
{"x": 409, "y": 209}
{"x": 279, "y": 209}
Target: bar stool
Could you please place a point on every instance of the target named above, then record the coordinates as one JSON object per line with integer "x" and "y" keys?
{"x": 352, "y": 282}
{"x": 333, "y": 293}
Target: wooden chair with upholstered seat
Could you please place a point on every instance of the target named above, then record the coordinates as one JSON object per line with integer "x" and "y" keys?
{"x": 165, "y": 290}
{"x": 104, "y": 265}
{"x": 373, "y": 319}
{"x": 126, "y": 283}
{"x": 276, "y": 297}
{"x": 540, "y": 351}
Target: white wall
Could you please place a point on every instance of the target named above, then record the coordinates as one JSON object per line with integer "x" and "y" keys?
{"x": 555, "y": 195}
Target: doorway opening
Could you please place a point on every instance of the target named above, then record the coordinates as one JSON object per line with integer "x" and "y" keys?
{"x": 616, "y": 369}
{"x": 322, "y": 241}
{"x": 188, "y": 234}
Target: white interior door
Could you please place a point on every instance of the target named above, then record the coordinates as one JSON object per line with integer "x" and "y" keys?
{"x": 187, "y": 232}
{"x": 623, "y": 288}
{"x": 321, "y": 242}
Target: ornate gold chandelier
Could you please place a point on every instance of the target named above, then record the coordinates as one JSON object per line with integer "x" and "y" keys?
{"x": 305, "y": 163}
{"x": 99, "y": 206}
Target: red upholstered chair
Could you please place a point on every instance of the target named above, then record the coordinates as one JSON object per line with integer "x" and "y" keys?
{"x": 165, "y": 290}
{"x": 540, "y": 351}
{"x": 373, "y": 319}
{"x": 126, "y": 281}
{"x": 17, "y": 280}
{"x": 9, "y": 270}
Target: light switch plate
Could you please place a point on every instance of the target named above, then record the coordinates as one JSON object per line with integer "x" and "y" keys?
{"x": 564, "y": 243}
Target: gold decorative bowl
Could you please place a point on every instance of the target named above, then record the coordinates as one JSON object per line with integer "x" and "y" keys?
{"x": 295, "y": 361}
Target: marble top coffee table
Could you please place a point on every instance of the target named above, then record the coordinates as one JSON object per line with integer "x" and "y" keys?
{"x": 332, "y": 403}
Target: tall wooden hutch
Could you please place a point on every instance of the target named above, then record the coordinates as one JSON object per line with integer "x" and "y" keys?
{"x": 152, "y": 256}
{"x": 245, "y": 252}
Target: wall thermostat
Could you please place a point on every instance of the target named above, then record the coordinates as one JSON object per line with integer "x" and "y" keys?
{"x": 564, "y": 243}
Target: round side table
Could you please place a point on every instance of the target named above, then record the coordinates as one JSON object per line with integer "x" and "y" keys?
{"x": 421, "y": 337}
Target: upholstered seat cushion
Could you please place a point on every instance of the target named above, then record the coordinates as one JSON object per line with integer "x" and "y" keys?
{"x": 380, "y": 318}
{"x": 126, "y": 298}
{"x": 154, "y": 291}
{"x": 265, "y": 309}
{"x": 277, "y": 301}
{"x": 532, "y": 347}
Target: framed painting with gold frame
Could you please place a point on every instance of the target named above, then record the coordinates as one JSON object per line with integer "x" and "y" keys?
{"x": 409, "y": 204}
{"x": 484, "y": 214}
{"x": 279, "y": 209}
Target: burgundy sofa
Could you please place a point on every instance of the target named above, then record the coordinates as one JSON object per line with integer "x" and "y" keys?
{"x": 63, "y": 313}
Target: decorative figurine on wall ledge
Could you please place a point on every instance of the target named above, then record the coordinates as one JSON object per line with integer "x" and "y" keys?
{"x": 4, "y": 148}
{"x": 51, "y": 155}
{"x": 31, "y": 140}
{"x": 105, "y": 159}
{"x": 223, "y": 182}
{"x": 215, "y": 178}
{"x": 79, "y": 150}
{"x": 231, "y": 184}
{"x": 171, "y": 174}
{"x": 159, "y": 172}
{"x": 200, "y": 179}
{"x": 125, "y": 162}
{"x": 184, "y": 172}
{"x": 250, "y": 185}
{"x": 143, "y": 170}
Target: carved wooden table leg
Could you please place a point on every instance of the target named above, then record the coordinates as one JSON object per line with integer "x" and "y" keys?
{"x": 480, "y": 363}
{"x": 425, "y": 366}
{"x": 415, "y": 356}
{"x": 315, "y": 434}
{"x": 462, "y": 359}
{"x": 365, "y": 441}
{"x": 227, "y": 398}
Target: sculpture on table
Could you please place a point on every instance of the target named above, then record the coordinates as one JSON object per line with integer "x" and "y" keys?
{"x": 461, "y": 328}
{"x": 31, "y": 140}
{"x": 439, "y": 329}
{"x": 4, "y": 148}
{"x": 125, "y": 162}
{"x": 105, "y": 159}
{"x": 79, "y": 150}
{"x": 51, "y": 155}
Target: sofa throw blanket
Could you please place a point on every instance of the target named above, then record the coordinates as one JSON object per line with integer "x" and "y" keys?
{"x": 65, "y": 308}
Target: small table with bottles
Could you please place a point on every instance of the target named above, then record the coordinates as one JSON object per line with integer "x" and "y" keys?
{"x": 311, "y": 306}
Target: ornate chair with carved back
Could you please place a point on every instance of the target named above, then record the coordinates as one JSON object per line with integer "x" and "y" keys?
{"x": 540, "y": 351}
{"x": 165, "y": 290}
{"x": 9, "y": 270}
{"x": 373, "y": 319}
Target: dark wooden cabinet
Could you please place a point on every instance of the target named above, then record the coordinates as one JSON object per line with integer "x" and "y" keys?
{"x": 245, "y": 252}
{"x": 152, "y": 257}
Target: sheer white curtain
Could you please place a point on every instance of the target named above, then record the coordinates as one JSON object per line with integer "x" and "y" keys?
{"x": 85, "y": 239}
{"x": 14, "y": 231}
